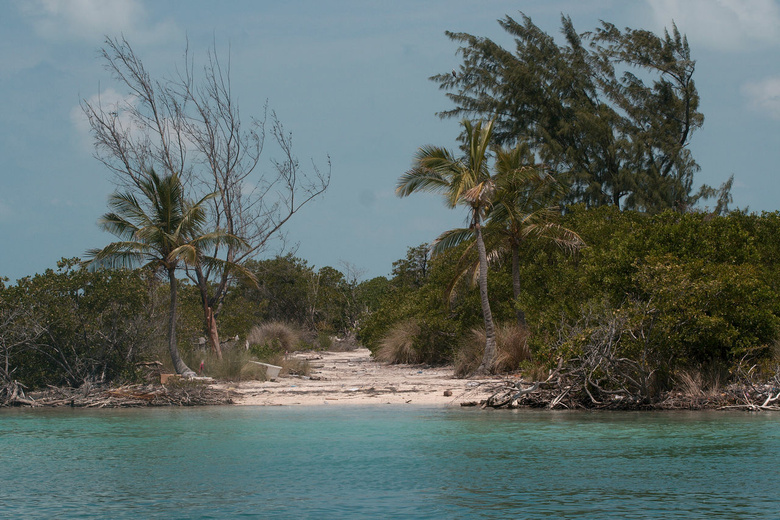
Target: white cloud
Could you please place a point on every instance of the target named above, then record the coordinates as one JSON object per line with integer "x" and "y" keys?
{"x": 722, "y": 24}
{"x": 764, "y": 96}
{"x": 110, "y": 101}
{"x": 123, "y": 111}
{"x": 90, "y": 20}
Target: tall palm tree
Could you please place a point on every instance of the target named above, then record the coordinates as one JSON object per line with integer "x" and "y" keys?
{"x": 464, "y": 181}
{"x": 162, "y": 231}
{"x": 523, "y": 208}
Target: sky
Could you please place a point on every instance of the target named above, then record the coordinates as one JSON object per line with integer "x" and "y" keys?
{"x": 349, "y": 79}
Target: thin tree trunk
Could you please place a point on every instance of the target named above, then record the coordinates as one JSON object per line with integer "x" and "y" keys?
{"x": 489, "y": 357}
{"x": 209, "y": 321}
{"x": 212, "y": 332}
{"x": 516, "y": 285}
{"x": 178, "y": 363}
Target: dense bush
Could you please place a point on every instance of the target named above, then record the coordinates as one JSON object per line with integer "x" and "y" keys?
{"x": 71, "y": 326}
{"x": 440, "y": 319}
{"x": 700, "y": 288}
{"x": 670, "y": 292}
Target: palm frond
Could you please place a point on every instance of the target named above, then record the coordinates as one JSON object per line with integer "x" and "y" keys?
{"x": 230, "y": 267}
{"x": 450, "y": 239}
{"x": 116, "y": 255}
{"x": 118, "y": 226}
{"x": 420, "y": 179}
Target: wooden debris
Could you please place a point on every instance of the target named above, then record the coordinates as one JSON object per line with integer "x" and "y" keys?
{"x": 181, "y": 393}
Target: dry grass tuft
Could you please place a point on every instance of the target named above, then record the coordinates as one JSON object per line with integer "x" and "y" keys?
{"x": 690, "y": 382}
{"x": 697, "y": 383}
{"x": 276, "y": 336}
{"x": 398, "y": 345}
{"x": 511, "y": 343}
{"x": 234, "y": 365}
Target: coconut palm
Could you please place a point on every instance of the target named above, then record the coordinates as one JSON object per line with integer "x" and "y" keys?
{"x": 162, "y": 231}
{"x": 523, "y": 208}
{"x": 464, "y": 181}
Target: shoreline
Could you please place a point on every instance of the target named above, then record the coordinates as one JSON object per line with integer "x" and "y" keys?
{"x": 352, "y": 377}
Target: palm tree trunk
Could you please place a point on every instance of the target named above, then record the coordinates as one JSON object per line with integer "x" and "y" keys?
{"x": 178, "y": 364}
{"x": 489, "y": 357}
{"x": 516, "y": 285}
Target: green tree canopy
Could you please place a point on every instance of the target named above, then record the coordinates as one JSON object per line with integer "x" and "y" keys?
{"x": 612, "y": 111}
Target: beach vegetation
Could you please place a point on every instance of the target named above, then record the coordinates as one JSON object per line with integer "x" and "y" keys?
{"x": 611, "y": 112}
{"x": 274, "y": 336}
{"x": 188, "y": 124}
{"x": 163, "y": 232}
{"x": 668, "y": 294}
{"x": 463, "y": 181}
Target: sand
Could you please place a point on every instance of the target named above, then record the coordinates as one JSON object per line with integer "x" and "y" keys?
{"x": 354, "y": 378}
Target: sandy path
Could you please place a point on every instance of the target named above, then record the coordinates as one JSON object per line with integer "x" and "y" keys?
{"x": 353, "y": 378}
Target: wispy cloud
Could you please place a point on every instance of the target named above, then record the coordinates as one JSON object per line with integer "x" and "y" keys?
{"x": 764, "y": 96}
{"x": 92, "y": 19}
{"x": 722, "y": 24}
{"x": 110, "y": 101}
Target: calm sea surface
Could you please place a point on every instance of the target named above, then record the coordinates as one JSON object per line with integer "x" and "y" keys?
{"x": 393, "y": 462}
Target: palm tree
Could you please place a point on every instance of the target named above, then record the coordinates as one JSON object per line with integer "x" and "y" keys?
{"x": 523, "y": 208}
{"x": 466, "y": 182}
{"x": 163, "y": 232}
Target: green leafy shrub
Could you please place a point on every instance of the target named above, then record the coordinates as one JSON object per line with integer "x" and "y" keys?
{"x": 74, "y": 326}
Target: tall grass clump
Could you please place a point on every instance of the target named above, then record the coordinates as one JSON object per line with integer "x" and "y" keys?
{"x": 275, "y": 336}
{"x": 511, "y": 343}
{"x": 704, "y": 381}
{"x": 398, "y": 345}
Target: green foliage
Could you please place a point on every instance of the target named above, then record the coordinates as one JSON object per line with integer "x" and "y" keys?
{"x": 71, "y": 326}
{"x": 412, "y": 270}
{"x": 290, "y": 290}
{"x": 283, "y": 292}
{"x": 438, "y": 322}
{"x": 671, "y": 292}
{"x": 611, "y": 110}
{"x": 699, "y": 289}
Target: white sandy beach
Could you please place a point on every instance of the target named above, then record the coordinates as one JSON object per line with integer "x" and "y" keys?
{"x": 353, "y": 378}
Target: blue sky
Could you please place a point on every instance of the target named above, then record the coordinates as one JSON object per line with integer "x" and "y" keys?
{"x": 349, "y": 79}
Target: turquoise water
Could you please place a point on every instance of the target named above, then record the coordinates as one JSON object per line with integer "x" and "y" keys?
{"x": 393, "y": 462}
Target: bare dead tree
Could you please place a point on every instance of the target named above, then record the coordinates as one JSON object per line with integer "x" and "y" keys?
{"x": 191, "y": 125}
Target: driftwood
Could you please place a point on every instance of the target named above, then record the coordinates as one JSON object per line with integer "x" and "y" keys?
{"x": 563, "y": 392}
{"x": 574, "y": 387}
{"x": 183, "y": 393}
